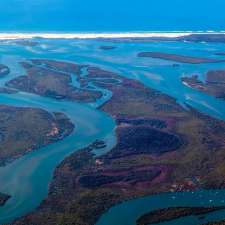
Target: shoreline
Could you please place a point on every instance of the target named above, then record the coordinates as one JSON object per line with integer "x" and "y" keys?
{"x": 26, "y": 35}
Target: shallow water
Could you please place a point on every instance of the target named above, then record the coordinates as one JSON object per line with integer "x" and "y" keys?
{"x": 27, "y": 178}
{"x": 127, "y": 213}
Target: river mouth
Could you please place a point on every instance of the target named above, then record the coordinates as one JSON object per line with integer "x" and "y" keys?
{"x": 27, "y": 178}
{"x": 29, "y": 184}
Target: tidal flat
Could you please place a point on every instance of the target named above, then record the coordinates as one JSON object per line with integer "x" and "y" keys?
{"x": 151, "y": 156}
{"x": 138, "y": 130}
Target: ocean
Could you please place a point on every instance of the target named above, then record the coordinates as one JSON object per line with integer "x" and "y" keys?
{"x": 111, "y": 15}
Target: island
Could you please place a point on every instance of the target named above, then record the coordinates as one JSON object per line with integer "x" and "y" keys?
{"x": 178, "y": 58}
{"x": 222, "y": 222}
{"x": 217, "y": 38}
{"x": 165, "y": 215}
{"x": 214, "y": 83}
{"x": 85, "y": 185}
{"x": 27, "y": 43}
{"x": 4, "y": 70}
{"x": 107, "y": 47}
{"x": 54, "y": 80}
{"x": 195, "y": 38}
{"x": 8, "y": 90}
{"x": 3, "y": 199}
{"x": 23, "y": 130}
{"x": 220, "y": 53}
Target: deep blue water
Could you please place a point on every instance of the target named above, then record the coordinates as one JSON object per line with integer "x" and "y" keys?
{"x": 111, "y": 15}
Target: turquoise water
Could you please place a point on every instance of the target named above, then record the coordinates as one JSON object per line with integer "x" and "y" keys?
{"x": 27, "y": 178}
{"x": 128, "y": 212}
{"x": 111, "y": 15}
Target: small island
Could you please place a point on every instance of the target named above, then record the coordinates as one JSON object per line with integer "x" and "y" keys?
{"x": 220, "y": 53}
{"x": 4, "y": 70}
{"x": 165, "y": 215}
{"x": 178, "y": 58}
{"x": 107, "y": 47}
{"x": 28, "y": 43}
{"x": 214, "y": 84}
{"x": 3, "y": 199}
{"x": 194, "y": 38}
{"x": 222, "y": 222}
{"x": 216, "y": 38}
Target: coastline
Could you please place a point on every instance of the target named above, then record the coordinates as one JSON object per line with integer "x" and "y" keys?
{"x": 126, "y": 172}
{"x": 161, "y": 107}
{"x": 24, "y": 35}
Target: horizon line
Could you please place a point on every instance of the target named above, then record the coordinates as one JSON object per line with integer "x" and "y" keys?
{"x": 95, "y": 35}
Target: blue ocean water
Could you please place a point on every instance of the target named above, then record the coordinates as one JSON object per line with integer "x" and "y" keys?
{"x": 111, "y": 15}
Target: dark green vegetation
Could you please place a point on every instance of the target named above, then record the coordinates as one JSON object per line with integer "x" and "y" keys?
{"x": 53, "y": 79}
{"x": 3, "y": 199}
{"x": 164, "y": 215}
{"x": 98, "y": 144}
{"x": 217, "y": 223}
{"x": 145, "y": 140}
{"x": 24, "y": 129}
{"x": 214, "y": 84}
{"x": 86, "y": 186}
{"x": 107, "y": 47}
{"x": 4, "y": 70}
{"x": 221, "y": 53}
{"x": 203, "y": 38}
{"x": 215, "y": 38}
{"x": 7, "y": 90}
{"x": 178, "y": 58}
{"x": 28, "y": 43}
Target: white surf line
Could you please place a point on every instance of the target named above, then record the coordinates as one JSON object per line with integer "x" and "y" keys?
{"x": 12, "y": 36}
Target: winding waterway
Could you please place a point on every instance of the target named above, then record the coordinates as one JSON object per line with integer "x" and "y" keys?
{"x": 27, "y": 178}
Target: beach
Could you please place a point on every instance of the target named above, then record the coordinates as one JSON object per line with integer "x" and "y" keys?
{"x": 12, "y": 36}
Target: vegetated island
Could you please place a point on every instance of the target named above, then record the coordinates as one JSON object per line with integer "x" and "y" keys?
{"x": 23, "y": 130}
{"x": 85, "y": 186}
{"x": 28, "y": 43}
{"x": 4, "y": 70}
{"x": 196, "y": 38}
{"x": 220, "y": 53}
{"x": 53, "y": 79}
{"x": 107, "y": 47}
{"x": 178, "y": 58}
{"x": 214, "y": 83}
{"x": 3, "y": 199}
{"x": 165, "y": 215}
{"x": 222, "y": 222}
{"x": 203, "y": 38}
